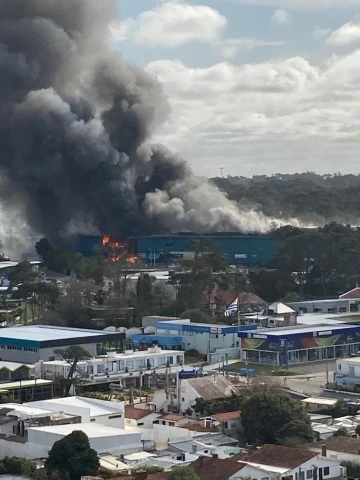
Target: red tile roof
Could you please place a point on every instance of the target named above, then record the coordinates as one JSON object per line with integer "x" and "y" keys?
{"x": 277, "y": 456}
{"x": 225, "y": 417}
{"x": 199, "y": 427}
{"x": 210, "y": 468}
{"x": 351, "y": 294}
{"x": 338, "y": 444}
{"x": 171, "y": 417}
{"x": 136, "y": 413}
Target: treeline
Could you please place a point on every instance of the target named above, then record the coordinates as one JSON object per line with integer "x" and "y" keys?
{"x": 307, "y": 196}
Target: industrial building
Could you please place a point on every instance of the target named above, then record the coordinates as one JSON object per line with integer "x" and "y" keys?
{"x": 215, "y": 341}
{"x": 240, "y": 249}
{"x": 30, "y": 344}
{"x": 244, "y": 250}
{"x": 295, "y": 345}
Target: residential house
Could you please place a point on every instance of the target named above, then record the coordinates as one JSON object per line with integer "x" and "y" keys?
{"x": 292, "y": 463}
{"x": 140, "y": 417}
{"x": 174, "y": 420}
{"x": 214, "y": 387}
{"x": 344, "y": 449}
{"x": 280, "y": 315}
{"x": 229, "y": 422}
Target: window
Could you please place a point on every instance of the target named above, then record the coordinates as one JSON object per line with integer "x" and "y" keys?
{"x": 100, "y": 368}
{"x": 52, "y": 358}
{"x": 115, "y": 416}
{"x": 92, "y": 419}
{"x": 140, "y": 424}
{"x": 326, "y": 471}
{"x": 302, "y": 475}
{"x": 309, "y": 474}
{"x": 339, "y": 366}
{"x": 183, "y": 399}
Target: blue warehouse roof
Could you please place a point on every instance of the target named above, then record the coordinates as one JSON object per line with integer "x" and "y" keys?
{"x": 45, "y": 335}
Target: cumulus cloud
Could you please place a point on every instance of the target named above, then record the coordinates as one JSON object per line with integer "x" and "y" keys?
{"x": 346, "y": 36}
{"x": 287, "y": 114}
{"x": 281, "y": 17}
{"x": 303, "y": 4}
{"x": 172, "y": 24}
{"x": 231, "y": 46}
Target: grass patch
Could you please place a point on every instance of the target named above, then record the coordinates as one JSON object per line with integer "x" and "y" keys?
{"x": 266, "y": 370}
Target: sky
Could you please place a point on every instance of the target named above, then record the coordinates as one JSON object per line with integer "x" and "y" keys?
{"x": 256, "y": 87}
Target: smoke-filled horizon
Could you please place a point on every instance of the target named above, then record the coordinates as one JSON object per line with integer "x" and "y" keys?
{"x": 75, "y": 130}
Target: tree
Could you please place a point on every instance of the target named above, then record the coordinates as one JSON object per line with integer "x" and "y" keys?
{"x": 269, "y": 416}
{"x": 72, "y": 457}
{"x": 22, "y": 273}
{"x": 43, "y": 247}
{"x": 72, "y": 355}
{"x": 357, "y": 430}
{"x": 342, "y": 432}
{"x": 182, "y": 473}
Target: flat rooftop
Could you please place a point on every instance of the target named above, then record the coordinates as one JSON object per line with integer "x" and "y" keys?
{"x": 325, "y": 300}
{"x": 92, "y": 430}
{"x": 299, "y": 330}
{"x": 44, "y": 333}
{"x": 39, "y": 382}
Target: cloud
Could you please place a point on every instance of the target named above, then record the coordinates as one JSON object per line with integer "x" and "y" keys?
{"x": 284, "y": 115}
{"x": 281, "y": 17}
{"x": 231, "y": 46}
{"x": 172, "y": 24}
{"x": 319, "y": 33}
{"x": 303, "y": 4}
{"x": 346, "y": 36}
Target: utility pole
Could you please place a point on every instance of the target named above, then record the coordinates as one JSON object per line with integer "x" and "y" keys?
{"x": 221, "y": 171}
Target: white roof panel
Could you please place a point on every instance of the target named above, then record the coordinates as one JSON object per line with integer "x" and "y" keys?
{"x": 48, "y": 333}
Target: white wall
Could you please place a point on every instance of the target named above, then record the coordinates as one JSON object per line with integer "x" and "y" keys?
{"x": 145, "y": 422}
{"x": 341, "y": 456}
{"x": 109, "y": 444}
{"x": 320, "y": 462}
{"x": 348, "y": 368}
{"x": 162, "y": 434}
{"x": 187, "y": 396}
{"x": 24, "y": 450}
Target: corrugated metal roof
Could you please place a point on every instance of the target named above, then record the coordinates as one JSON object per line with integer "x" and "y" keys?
{"x": 45, "y": 333}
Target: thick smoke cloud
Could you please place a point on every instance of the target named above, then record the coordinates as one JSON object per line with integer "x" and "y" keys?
{"x": 75, "y": 126}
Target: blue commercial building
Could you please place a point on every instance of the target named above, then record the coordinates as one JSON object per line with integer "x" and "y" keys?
{"x": 203, "y": 337}
{"x": 240, "y": 249}
{"x": 246, "y": 250}
{"x": 295, "y": 345}
{"x": 32, "y": 343}
{"x": 143, "y": 342}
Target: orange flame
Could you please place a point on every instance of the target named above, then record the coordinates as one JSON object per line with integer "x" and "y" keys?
{"x": 106, "y": 239}
{"x": 117, "y": 251}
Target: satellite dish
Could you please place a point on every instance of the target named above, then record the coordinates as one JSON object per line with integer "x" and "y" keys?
{"x": 133, "y": 331}
{"x": 110, "y": 329}
{"x": 121, "y": 329}
{"x": 149, "y": 330}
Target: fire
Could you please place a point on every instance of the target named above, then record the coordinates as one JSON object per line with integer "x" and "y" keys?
{"x": 106, "y": 240}
{"x": 132, "y": 259}
{"x": 117, "y": 251}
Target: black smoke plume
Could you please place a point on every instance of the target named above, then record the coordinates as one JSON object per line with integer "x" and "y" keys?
{"x": 75, "y": 125}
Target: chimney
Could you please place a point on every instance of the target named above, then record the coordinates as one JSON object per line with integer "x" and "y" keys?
{"x": 215, "y": 455}
{"x": 323, "y": 450}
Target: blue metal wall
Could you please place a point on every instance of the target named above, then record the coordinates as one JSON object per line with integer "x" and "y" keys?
{"x": 246, "y": 250}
